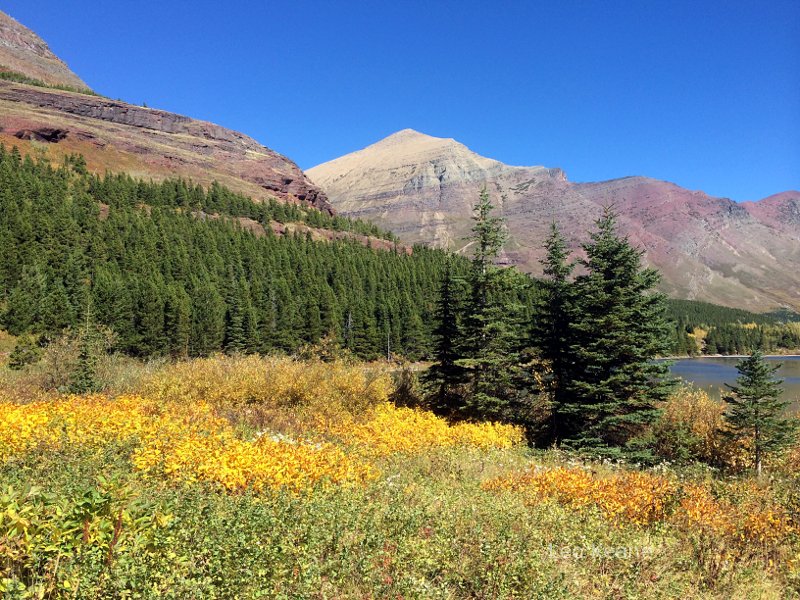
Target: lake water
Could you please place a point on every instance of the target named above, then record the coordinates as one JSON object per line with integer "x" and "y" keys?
{"x": 711, "y": 374}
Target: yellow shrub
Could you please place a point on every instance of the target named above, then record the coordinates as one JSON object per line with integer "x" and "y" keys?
{"x": 388, "y": 429}
{"x": 178, "y": 440}
{"x": 690, "y": 428}
{"x": 270, "y": 382}
{"x": 629, "y": 497}
{"x": 755, "y": 523}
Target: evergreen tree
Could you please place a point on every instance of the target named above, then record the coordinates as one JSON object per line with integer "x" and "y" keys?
{"x": 551, "y": 329}
{"x": 619, "y": 327}
{"x": 178, "y": 321}
{"x": 445, "y": 378}
{"x": 25, "y": 352}
{"x": 84, "y": 379}
{"x": 756, "y": 413}
{"x": 491, "y": 328}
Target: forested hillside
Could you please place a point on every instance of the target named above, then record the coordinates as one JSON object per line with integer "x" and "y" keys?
{"x": 171, "y": 281}
{"x": 706, "y": 328}
{"x": 175, "y": 269}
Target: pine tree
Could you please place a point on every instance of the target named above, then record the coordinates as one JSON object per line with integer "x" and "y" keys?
{"x": 756, "y": 413}
{"x": 619, "y": 327}
{"x": 25, "y": 352}
{"x": 84, "y": 379}
{"x": 491, "y": 329}
{"x": 551, "y": 329}
{"x": 445, "y": 378}
{"x": 178, "y": 321}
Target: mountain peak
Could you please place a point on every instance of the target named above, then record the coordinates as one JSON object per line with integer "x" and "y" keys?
{"x": 408, "y": 134}
{"x": 414, "y": 138}
{"x": 25, "y": 53}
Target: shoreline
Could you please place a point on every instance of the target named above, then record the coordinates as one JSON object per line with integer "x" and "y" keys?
{"x": 687, "y": 357}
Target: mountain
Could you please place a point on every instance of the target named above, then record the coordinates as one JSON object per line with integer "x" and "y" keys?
{"x": 121, "y": 137}
{"x": 781, "y": 211}
{"x": 25, "y": 53}
{"x": 713, "y": 249}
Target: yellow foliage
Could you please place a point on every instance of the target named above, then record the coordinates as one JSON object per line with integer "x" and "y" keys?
{"x": 628, "y": 497}
{"x": 699, "y": 335}
{"x": 270, "y": 382}
{"x": 184, "y": 442}
{"x": 693, "y": 411}
{"x": 388, "y": 429}
{"x": 641, "y": 499}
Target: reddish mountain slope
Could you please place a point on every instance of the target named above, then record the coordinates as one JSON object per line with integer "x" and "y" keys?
{"x": 780, "y": 211}
{"x": 121, "y": 137}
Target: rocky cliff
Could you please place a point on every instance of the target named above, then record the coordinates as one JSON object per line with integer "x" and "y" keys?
{"x": 116, "y": 136}
{"x": 707, "y": 248}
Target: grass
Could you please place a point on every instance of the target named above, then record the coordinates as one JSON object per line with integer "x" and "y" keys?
{"x": 78, "y": 519}
{"x": 20, "y": 78}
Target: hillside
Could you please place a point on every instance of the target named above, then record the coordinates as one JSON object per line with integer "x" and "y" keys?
{"x": 178, "y": 270}
{"x": 712, "y": 249}
{"x": 120, "y": 137}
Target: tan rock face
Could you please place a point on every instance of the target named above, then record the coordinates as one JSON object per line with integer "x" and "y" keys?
{"x": 707, "y": 248}
{"x": 22, "y": 51}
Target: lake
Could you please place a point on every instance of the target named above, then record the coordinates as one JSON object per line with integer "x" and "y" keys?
{"x": 711, "y": 373}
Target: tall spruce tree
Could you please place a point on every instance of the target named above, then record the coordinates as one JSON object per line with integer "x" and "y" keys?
{"x": 619, "y": 326}
{"x": 551, "y": 331}
{"x": 445, "y": 378}
{"x": 84, "y": 378}
{"x": 756, "y": 414}
{"x": 492, "y": 340}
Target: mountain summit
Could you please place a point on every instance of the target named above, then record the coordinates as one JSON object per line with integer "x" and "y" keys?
{"x": 423, "y": 188}
{"x": 420, "y": 186}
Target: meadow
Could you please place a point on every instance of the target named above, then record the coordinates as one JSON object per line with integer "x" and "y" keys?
{"x": 274, "y": 477}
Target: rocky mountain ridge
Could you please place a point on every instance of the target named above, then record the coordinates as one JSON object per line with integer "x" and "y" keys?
{"x": 423, "y": 188}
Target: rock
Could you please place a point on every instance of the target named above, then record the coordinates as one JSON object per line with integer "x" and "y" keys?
{"x": 43, "y": 134}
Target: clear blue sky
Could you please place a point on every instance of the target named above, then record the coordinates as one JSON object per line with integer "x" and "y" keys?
{"x": 705, "y": 94}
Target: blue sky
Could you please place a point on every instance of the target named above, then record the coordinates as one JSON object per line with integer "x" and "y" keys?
{"x": 704, "y": 94}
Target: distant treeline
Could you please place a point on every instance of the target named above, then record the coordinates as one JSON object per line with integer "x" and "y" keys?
{"x": 20, "y": 78}
{"x": 170, "y": 283}
{"x": 703, "y": 328}
{"x": 123, "y": 191}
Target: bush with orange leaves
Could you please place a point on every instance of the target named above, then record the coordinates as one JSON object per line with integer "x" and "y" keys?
{"x": 746, "y": 523}
{"x": 624, "y": 498}
{"x": 180, "y": 441}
